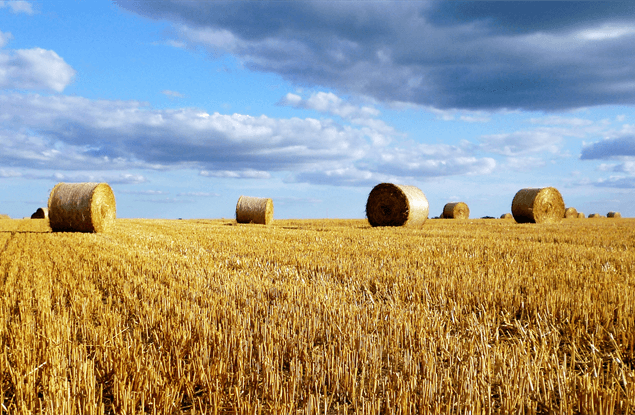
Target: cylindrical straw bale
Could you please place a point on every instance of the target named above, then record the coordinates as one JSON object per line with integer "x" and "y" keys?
{"x": 41, "y": 213}
{"x": 254, "y": 210}
{"x": 81, "y": 207}
{"x": 571, "y": 213}
{"x": 456, "y": 210}
{"x": 507, "y": 216}
{"x": 594, "y": 216}
{"x": 580, "y": 215}
{"x": 533, "y": 205}
{"x": 615, "y": 215}
{"x": 3, "y": 216}
{"x": 397, "y": 205}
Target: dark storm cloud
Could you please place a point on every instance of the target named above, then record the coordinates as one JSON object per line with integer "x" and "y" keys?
{"x": 468, "y": 55}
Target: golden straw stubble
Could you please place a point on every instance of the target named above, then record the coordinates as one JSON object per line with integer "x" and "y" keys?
{"x": 81, "y": 207}
{"x": 538, "y": 205}
{"x": 456, "y": 210}
{"x": 396, "y": 205}
{"x": 254, "y": 210}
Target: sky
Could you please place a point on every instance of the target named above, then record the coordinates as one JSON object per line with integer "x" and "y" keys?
{"x": 183, "y": 106}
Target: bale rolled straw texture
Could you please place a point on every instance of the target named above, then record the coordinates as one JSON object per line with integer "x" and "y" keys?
{"x": 594, "y": 216}
{"x": 397, "y": 205}
{"x": 254, "y": 210}
{"x": 538, "y": 205}
{"x": 41, "y": 213}
{"x": 3, "y": 216}
{"x": 81, "y": 207}
{"x": 571, "y": 213}
{"x": 507, "y": 216}
{"x": 615, "y": 215}
{"x": 580, "y": 215}
{"x": 456, "y": 210}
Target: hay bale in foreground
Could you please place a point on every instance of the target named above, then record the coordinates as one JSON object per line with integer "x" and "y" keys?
{"x": 254, "y": 210}
{"x": 580, "y": 215}
{"x": 538, "y": 205}
{"x": 396, "y": 205}
{"x": 81, "y": 207}
{"x": 456, "y": 210}
{"x": 615, "y": 215}
{"x": 571, "y": 213}
{"x": 41, "y": 213}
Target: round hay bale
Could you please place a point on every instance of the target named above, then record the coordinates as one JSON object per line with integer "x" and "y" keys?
{"x": 580, "y": 215}
{"x": 396, "y": 205}
{"x": 254, "y": 210}
{"x": 41, "y": 213}
{"x": 81, "y": 207}
{"x": 615, "y": 215}
{"x": 3, "y": 216}
{"x": 533, "y": 205}
{"x": 594, "y": 216}
{"x": 456, "y": 210}
{"x": 571, "y": 213}
{"x": 507, "y": 216}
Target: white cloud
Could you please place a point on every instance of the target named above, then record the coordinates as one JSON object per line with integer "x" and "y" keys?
{"x": 606, "y": 32}
{"x": 236, "y": 174}
{"x": 122, "y": 178}
{"x": 9, "y": 173}
{"x": 521, "y": 143}
{"x": 74, "y": 133}
{"x": 5, "y": 38}
{"x": 34, "y": 69}
{"x": 17, "y": 6}
{"x": 329, "y": 103}
{"x": 172, "y": 94}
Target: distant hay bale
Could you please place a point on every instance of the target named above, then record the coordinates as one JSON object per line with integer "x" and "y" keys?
{"x": 3, "y": 216}
{"x": 571, "y": 213}
{"x": 396, "y": 205}
{"x": 81, "y": 207}
{"x": 254, "y": 210}
{"x": 580, "y": 215}
{"x": 533, "y": 205}
{"x": 456, "y": 210}
{"x": 41, "y": 213}
{"x": 507, "y": 216}
{"x": 615, "y": 215}
{"x": 594, "y": 216}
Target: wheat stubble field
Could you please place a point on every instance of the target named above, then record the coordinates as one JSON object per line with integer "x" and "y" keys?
{"x": 323, "y": 316}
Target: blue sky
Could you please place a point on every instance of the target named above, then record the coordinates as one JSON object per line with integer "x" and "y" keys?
{"x": 184, "y": 106}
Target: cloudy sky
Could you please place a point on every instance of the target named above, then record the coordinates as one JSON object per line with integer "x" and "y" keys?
{"x": 183, "y": 106}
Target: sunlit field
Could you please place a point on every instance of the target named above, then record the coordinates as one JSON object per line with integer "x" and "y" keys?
{"x": 321, "y": 316}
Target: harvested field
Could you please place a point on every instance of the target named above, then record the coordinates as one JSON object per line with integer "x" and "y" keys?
{"x": 323, "y": 316}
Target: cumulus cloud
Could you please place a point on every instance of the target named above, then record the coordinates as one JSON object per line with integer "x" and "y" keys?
{"x": 330, "y": 104}
{"x": 33, "y": 69}
{"x": 468, "y": 55}
{"x": 74, "y": 133}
